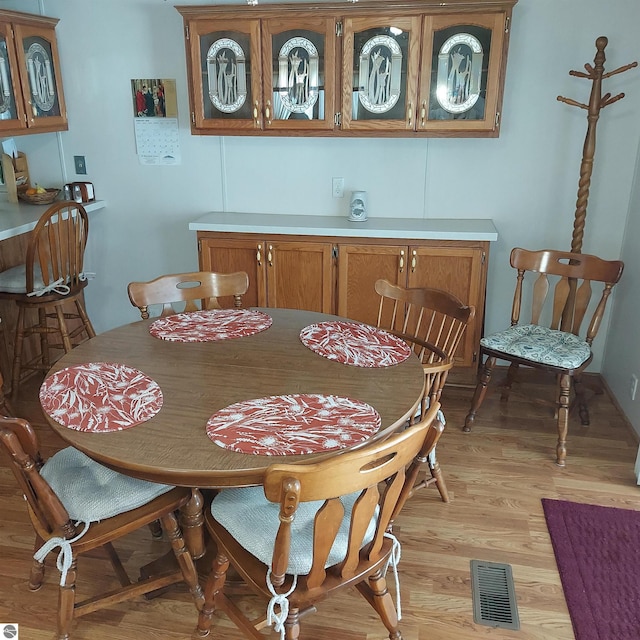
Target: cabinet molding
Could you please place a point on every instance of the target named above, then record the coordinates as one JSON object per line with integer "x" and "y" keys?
{"x": 372, "y": 68}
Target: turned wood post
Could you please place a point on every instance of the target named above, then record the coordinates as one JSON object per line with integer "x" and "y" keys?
{"x": 597, "y": 101}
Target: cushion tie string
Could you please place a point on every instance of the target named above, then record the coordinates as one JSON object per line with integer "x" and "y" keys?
{"x": 65, "y": 557}
{"x": 280, "y": 599}
{"x": 394, "y": 559}
{"x": 60, "y": 287}
{"x": 57, "y": 287}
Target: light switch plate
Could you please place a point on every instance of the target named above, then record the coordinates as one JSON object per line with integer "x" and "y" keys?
{"x": 81, "y": 165}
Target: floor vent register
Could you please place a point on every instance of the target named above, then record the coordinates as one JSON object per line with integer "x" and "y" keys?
{"x": 493, "y": 595}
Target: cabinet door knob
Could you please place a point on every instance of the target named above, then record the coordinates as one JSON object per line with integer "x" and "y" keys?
{"x": 401, "y": 261}
{"x": 410, "y": 115}
{"x": 414, "y": 260}
{"x": 270, "y": 256}
{"x": 256, "y": 113}
{"x": 423, "y": 112}
{"x": 259, "y": 255}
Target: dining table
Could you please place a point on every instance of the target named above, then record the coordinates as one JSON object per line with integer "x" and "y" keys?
{"x": 179, "y": 389}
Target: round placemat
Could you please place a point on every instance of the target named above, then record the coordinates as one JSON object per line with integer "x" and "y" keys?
{"x": 211, "y": 325}
{"x": 100, "y": 396}
{"x": 355, "y": 344}
{"x": 294, "y": 424}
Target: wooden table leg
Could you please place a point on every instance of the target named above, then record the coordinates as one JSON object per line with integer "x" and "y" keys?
{"x": 191, "y": 520}
{"x": 192, "y": 524}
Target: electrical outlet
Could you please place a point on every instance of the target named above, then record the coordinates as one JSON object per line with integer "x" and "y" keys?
{"x": 633, "y": 386}
{"x": 337, "y": 187}
{"x": 81, "y": 165}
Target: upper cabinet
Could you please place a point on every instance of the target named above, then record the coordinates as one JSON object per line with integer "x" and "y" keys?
{"x": 31, "y": 98}
{"x": 412, "y": 68}
{"x": 381, "y": 62}
{"x": 463, "y": 73}
{"x": 249, "y": 75}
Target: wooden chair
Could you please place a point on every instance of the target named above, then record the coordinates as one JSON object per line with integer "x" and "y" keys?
{"x": 433, "y": 323}
{"x": 45, "y": 286}
{"x": 322, "y": 527}
{"x": 558, "y": 349}
{"x": 53, "y": 505}
{"x": 188, "y": 288}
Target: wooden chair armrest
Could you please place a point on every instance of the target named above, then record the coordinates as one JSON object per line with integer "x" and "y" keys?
{"x": 425, "y": 346}
{"x": 437, "y": 366}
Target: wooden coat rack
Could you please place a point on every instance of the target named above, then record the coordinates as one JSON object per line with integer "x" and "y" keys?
{"x": 597, "y": 101}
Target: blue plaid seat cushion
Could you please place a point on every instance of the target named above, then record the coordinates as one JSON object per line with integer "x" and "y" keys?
{"x": 541, "y": 345}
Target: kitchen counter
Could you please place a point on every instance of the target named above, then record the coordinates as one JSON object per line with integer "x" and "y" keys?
{"x": 16, "y": 219}
{"x": 418, "y": 228}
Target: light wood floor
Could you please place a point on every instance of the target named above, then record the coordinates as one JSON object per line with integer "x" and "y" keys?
{"x": 496, "y": 476}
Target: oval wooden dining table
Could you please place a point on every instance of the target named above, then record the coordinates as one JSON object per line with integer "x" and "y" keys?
{"x": 198, "y": 379}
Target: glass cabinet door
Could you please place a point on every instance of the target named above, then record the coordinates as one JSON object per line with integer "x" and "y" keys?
{"x": 11, "y": 107}
{"x": 299, "y": 73}
{"x": 380, "y": 71}
{"x": 41, "y": 77}
{"x": 225, "y": 66}
{"x": 462, "y": 58}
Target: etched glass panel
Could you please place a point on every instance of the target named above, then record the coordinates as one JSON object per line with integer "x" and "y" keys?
{"x": 380, "y": 74}
{"x": 298, "y": 75}
{"x": 226, "y": 75}
{"x": 7, "y": 99}
{"x": 460, "y": 60}
{"x": 42, "y": 80}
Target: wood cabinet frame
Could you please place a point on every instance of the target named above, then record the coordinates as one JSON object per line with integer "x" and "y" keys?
{"x": 339, "y": 22}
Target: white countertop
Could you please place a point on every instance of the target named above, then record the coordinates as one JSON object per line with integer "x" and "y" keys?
{"x": 414, "y": 228}
{"x": 16, "y": 219}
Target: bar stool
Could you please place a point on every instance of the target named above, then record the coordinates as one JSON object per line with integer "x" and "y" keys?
{"x": 44, "y": 287}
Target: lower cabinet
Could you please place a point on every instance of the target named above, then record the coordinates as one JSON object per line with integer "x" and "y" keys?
{"x": 454, "y": 266}
{"x": 337, "y": 275}
{"x": 294, "y": 274}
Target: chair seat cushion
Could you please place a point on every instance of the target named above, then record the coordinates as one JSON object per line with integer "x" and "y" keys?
{"x": 540, "y": 344}
{"x": 14, "y": 280}
{"x": 90, "y": 491}
{"x": 253, "y": 522}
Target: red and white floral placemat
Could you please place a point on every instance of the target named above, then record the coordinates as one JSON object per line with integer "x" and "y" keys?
{"x": 294, "y": 424}
{"x": 100, "y": 396}
{"x": 211, "y": 325}
{"x": 356, "y": 344}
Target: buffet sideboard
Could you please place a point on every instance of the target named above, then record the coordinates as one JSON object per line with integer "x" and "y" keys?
{"x": 329, "y": 264}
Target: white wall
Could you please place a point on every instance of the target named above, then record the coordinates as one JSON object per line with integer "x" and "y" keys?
{"x": 623, "y": 344}
{"x": 526, "y": 180}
